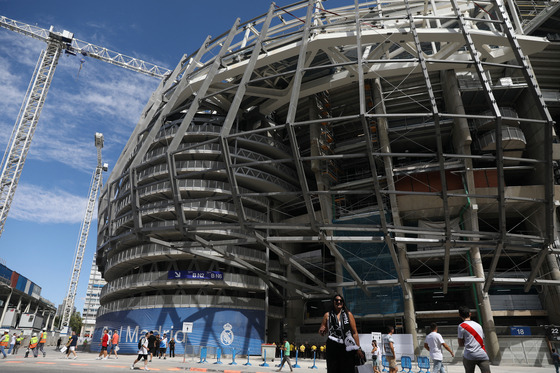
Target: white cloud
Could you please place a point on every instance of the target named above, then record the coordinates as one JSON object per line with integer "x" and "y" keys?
{"x": 103, "y": 98}
{"x": 32, "y": 203}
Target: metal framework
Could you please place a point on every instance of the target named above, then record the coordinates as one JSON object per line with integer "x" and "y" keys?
{"x": 422, "y": 151}
{"x": 96, "y": 181}
{"x": 22, "y": 134}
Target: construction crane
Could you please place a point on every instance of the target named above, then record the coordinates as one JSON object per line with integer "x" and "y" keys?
{"x": 26, "y": 123}
{"x": 96, "y": 181}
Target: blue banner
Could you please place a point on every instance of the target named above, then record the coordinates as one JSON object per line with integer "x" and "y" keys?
{"x": 239, "y": 329}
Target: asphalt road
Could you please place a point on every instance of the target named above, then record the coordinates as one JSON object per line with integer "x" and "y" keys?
{"x": 86, "y": 362}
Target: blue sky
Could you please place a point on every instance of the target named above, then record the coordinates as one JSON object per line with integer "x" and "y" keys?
{"x": 41, "y": 233}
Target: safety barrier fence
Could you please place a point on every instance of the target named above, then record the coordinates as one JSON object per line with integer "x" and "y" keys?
{"x": 218, "y": 355}
{"x": 406, "y": 363}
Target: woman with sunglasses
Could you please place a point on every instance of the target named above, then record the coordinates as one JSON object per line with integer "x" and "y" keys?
{"x": 343, "y": 342}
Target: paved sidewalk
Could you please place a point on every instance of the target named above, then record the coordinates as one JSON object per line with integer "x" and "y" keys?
{"x": 86, "y": 362}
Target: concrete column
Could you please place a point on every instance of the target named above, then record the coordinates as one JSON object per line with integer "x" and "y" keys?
{"x": 6, "y": 305}
{"x": 48, "y": 319}
{"x": 462, "y": 141}
{"x": 383, "y": 133}
{"x": 535, "y": 135}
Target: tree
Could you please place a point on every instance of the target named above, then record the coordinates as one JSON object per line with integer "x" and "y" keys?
{"x": 57, "y": 321}
{"x": 76, "y": 322}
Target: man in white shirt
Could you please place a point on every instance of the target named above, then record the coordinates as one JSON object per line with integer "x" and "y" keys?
{"x": 142, "y": 351}
{"x": 389, "y": 349}
{"x": 471, "y": 336}
{"x": 433, "y": 343}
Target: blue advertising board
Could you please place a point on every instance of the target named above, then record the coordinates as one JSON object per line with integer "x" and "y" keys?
{"x": 195, "y": 275}
{"x": 239, "y": 329}
{"x": 520, "y": 330}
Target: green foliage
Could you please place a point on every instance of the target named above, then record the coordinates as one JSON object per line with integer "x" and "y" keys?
{"x": 76, "y": 322}
{"x": 57, "y": 321}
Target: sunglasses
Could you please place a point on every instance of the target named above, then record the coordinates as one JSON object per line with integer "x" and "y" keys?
{"x": 338, "y": 301}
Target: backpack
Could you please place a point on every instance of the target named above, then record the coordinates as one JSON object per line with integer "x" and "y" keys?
{"x": 140, "y": 343}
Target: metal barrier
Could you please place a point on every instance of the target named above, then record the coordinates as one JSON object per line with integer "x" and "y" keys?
{"x": 296, "y": 364}
{"x": 314, "y": 356}
{"x": 406, "y": 363}
{"x": 203, "y": 353}
{"x": 265, "y": 363}
{"x": 384, "y": 363}
{"x": 424, "y": 363}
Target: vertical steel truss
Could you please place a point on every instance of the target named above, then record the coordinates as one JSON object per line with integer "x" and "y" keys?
{"x": 20, "y": 141}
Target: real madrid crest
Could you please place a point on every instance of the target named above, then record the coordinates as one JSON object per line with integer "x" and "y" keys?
{"x": 227, "y": 334}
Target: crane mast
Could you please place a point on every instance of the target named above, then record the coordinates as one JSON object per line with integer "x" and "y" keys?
{"x": 18, "y": 147}
{"x": 20, "y": 141}
{"x": 96, "y": 181}
{"x": 26, "y": 123}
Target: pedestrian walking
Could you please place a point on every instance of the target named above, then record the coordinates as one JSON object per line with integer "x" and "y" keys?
{"x": 163, "y": 347}
{"x": 72, "y": 345}
{"x": 4, "y": 343}
{"x": 143, "y": 351}
{"x": 433, "y": 343}
{"x": 12, "y": 343}
{"x": 114, "y": 344}
{"x": 104, "y": 345}
{"x": 343, "y": 342}
{"x": 471, "y": 336}
{"x": 152, "y": 345}
{"x": 33, "y": 342}
{"x": 156, "y": 345}
{"x": 58, "y": 342}
{"x": 286, "y": 356}
{"x": 389, "y": 349}
{"x": 19, "y": 341}
{"x": 555, "y": 359}
{"x": 172, "y": 347}
{"x": 42, "y": 341}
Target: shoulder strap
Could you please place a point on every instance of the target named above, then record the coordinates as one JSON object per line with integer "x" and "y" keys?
{"x": 473, "y": 332}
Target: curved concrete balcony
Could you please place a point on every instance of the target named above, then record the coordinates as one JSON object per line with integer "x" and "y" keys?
{"x": 181, "y": 301}
{"x": 189, "y": 188}
{"x": 214, "y": 151}
{"x": 140, "y": 282}
{"x": 124, "y": 260}
{"x": 221, "y": 211}
{"x": 168, "y": 229}
{"x": 266, "y": 145}
{"x": 510, "y": 118}
{"x": 216, "y": 170}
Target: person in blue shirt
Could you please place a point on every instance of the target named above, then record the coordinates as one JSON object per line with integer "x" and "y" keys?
{"x": 555, "y": 359}
{"x": 163, "y": 346}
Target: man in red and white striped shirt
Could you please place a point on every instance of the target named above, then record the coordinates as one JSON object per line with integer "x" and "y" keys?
{"x": 471, "y": 336}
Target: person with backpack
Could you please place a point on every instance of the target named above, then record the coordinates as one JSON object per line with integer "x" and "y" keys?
{"x": 142, "y": 351}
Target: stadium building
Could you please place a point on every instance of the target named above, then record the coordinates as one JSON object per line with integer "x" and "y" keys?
{"x": 402, "y": 153}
